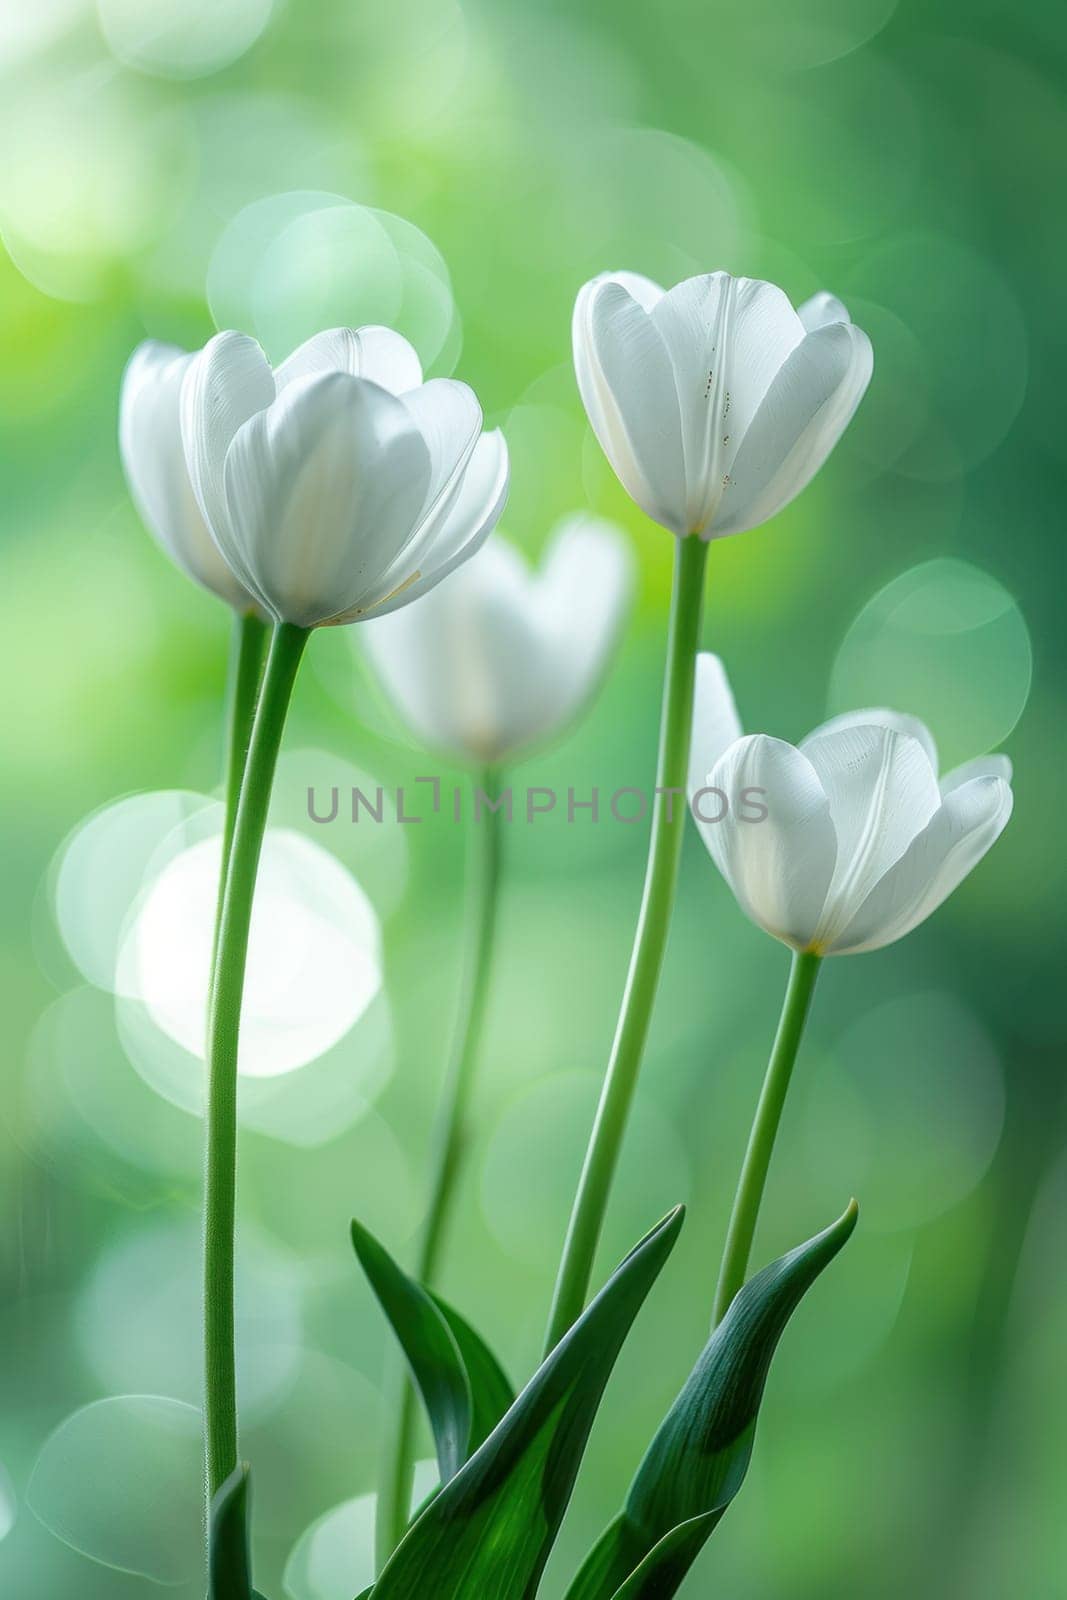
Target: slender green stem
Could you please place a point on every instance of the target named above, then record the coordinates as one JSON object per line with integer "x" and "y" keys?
{"x": 661, "y": 877}
{"x": 449, "y": 1144}
{"x": 753, "y": 1180}
{"x": 220, "y": 1399}
{"x": 246, "y": 667}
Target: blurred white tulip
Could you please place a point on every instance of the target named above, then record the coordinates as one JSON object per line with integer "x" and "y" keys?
{"x": 501, "y": 657}
{"x": 715, "y": 402}
{"x": 153, "y": 458}
{"x": 337, "y": 486}
{"x": 849, "y": 841}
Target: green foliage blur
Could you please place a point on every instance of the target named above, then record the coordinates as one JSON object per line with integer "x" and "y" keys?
{"x": 906, "y": 156}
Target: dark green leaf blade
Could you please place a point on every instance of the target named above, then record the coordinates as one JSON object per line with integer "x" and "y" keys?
{"x": 490, "y": 1390}
{"x": 229, "y": 1561}
{"x": 490, "y": 1530}
{"x": 699, "y": 1457}
{"x": 429, "y": 1347}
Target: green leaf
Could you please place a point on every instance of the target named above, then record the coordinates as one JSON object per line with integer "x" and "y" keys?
{"x": 229, "y": 1562}
{"x": 699, "y": 1457}
{"x": 490, "y": 1390}
{"x": 430, "y": 1347}
{"x": 488, "y": 1533}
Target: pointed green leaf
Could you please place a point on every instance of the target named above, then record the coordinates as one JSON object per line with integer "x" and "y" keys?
{"x": 488, "y": 1533}
{"x": 430, "y": 1348}
{"x": 698, "y": 1459}
{"x": 491, "y": 1392}
{"x": 229, "y": 1562}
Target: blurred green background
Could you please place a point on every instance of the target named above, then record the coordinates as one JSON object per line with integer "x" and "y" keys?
{"x": 168, "y": 167}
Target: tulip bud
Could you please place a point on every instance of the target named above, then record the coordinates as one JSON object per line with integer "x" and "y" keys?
{"x": 715, "y": 401}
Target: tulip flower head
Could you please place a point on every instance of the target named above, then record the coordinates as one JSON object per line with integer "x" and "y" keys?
{"x": 501, "y": 657}
{"x": 153, "y": 457}
{"x": 853, "y": 840}
{"x": 715, "y": 402}
{"x": 338, "y": 485}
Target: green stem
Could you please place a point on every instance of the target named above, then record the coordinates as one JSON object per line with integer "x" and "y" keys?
{"x": 246, "y": 667}
{"x": 449, "y": 1144}
{"x": 220, "y": 1398}
{"x": 753, "y": 1179}
{"x": 661, "y": 877}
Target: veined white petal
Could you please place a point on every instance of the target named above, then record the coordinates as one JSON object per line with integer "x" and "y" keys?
{"x": 644, "y": 290}
{"x": 994, "y": 766}
{"x": 443, "y": 543}
{"x": 372, "y": 352}
{"x": 806, "y": 409}
{"x": 322, "y": 492}
{"x": 627, "y": 386}
{"x": 779, "y": 865}
{"x": 972, "y": 817}
{"x": 821, "y": 310}
{"x": 879, "y": 717}
{"x": 882, "y": 791}
{"x": 716, "y": 724}
{"x": 150, "y": 442}
{"x": 228, "y": 382}
{"x": 727, "y": 338}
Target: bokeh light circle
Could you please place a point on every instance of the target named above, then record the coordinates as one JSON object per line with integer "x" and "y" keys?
{"x": 93, "y": 174}
{"x": 534, "y": 1157}
{"x": 946, "y": 642}
{"x": 334, "y": 1558}
{"x": 101, "y": 867}
{"x": 968, "y": 325}
{"x": 907, "y": 1114}
{"x": 138, "y": 1317}
{"x": 120, "y": 1481}
{"x": 89, "y": 1118}
{"x": 290, "y": 264}
{"x": 176, "y": 39}
{"x": 314, "y": 954}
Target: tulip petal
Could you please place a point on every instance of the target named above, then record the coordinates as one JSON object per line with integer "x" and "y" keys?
{"x": 880, "y": 717}
{"x": 442, "y": 543}
{"x": 499, "y": 657}
{"x": 380, "y": 354}
{"x": 322, "y": 492}
{"x": 971, "y": 819}
{"x": 727, "y": 338}
{"x": 447, "y": 414}
{"x": 821, "y": 310}
{"x": 646, "y": 292}
{"x": 779, "y": 866}
{"x": 150, "y": 441}
{"x": 716, "y": 724}
{"x": 228, "y": 382}
{"x": 882, "y": 791}
{"x": 627, "y": 386}
{"x": 464, "y": 669}
{"x": 995, "y": 766}
{"x": 806, "y": 409}
{"x": 581, "y": 596}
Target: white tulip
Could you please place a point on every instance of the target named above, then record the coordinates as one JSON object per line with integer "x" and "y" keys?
{"x": 153, "y": 457}
{"x": 715, "y": 401}
{"x": 337, "y": 486}
{"x": 501, "y": 657}
{"x": 849, "y": 841}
